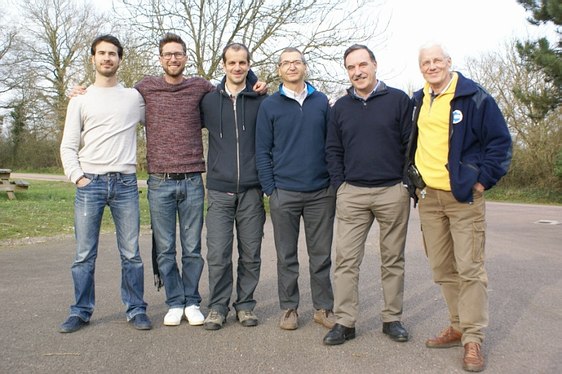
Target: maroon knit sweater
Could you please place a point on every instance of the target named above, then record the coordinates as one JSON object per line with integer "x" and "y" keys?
{"x": 173, "y": 124}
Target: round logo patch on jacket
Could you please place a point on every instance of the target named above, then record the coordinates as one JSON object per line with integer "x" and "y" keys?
{"x": 457, "y": 116}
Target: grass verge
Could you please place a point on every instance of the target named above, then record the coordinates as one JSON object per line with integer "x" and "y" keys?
{"x": 46, "y": 209}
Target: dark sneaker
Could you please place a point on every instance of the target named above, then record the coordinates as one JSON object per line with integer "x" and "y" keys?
{"x": 289, "y": 320}
{"x": 214, "y": 320}
{"x": 72, "y": 324}
{"x": 247, "y": 318}
{"x": 141, "y": 322}
{"x": 325, "y": 317}
{"x": 395, "y": 331}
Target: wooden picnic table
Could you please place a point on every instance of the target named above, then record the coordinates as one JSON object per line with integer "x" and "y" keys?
{"x": 11, "y": 186}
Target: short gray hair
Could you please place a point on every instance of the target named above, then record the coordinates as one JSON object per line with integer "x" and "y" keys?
{"x": 432, "y": 44}
{"x": 289, "y": 50}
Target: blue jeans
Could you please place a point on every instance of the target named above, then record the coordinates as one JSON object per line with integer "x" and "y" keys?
{"x": 120, "y": 193}
{"x": 168, "y": 199}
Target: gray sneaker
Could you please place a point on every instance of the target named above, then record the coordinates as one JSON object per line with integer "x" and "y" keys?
{"x": 214, "y": 320}
{"x": 289, "y": 320}
{"x": 247, "y": 318}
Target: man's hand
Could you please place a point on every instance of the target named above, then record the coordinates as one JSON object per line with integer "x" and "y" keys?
{"x": 83, "y": 181}
{"x": 260, "y": 87}
{"x": 478, "y": 187}
{"x": 79, "y": 90}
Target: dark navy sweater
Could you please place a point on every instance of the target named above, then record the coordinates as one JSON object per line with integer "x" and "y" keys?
{"x": 367, "y": 139}
{"x": 290, "y": 142}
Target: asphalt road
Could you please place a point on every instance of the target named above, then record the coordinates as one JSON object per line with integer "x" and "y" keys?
{"x": 524, "y": 262}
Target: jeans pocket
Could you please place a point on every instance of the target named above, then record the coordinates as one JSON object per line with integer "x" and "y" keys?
{"x": 128, "y": 180}
{"x": 478, "y": 240}
{"x": 85, "y": 185}
{"x": 154, "y": 182}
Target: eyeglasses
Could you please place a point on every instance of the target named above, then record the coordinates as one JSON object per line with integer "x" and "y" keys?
{"x": 177, "y": 55}
{"x": 437, "y": 62}
{"x": 286, "y": 64}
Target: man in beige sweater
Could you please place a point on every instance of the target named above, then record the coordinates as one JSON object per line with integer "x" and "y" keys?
{"x": 98, "y": 152}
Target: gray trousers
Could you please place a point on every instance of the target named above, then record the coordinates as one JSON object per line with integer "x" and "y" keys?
{"x": 246, "y": 211}
{"x": 317, "y": 210}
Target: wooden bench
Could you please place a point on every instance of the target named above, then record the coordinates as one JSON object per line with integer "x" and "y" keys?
{"x": 11, "y": 186}
{"x": 5, "y": 174}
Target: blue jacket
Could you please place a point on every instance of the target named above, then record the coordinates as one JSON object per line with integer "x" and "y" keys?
{"x": 479, "y": 140}
{"x": 290, "y": 142}
{"x": 367, "y": 139}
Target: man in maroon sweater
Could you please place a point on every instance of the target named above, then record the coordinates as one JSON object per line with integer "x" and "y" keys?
{"x": 175, "y": 187}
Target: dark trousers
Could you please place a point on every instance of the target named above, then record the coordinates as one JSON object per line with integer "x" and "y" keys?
{"x": 317, "y": 210}
{"x": 246, "y": 211}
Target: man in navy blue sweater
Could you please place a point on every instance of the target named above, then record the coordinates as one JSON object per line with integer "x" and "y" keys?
{"x": 366, "y": 147}
{"x": 290, "y": 158}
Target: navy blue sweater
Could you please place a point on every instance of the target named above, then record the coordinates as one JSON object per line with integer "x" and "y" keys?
{"x": 290, "y": 142}
{"x": 367, "y": 139}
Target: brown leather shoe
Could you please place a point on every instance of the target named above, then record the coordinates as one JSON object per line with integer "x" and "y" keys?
{"x": 446, "y": 339}
{"x": 473, "y": 358}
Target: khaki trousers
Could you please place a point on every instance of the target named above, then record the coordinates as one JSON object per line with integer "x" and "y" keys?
{"x": 356, "y": 209}
{"x": 454, "y": 238}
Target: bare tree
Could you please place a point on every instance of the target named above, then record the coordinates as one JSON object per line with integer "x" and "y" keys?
{"x": 537, "y": 139}
{"x": 57, "y": 34}
{"x": 8, "y": 59}
{"x": 320, "y": 28}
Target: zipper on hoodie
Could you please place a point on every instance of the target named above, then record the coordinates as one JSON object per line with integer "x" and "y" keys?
{"x": 234, "y": 99}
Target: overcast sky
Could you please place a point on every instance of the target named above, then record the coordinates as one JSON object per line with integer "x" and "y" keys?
{"x": 468, "y": 28}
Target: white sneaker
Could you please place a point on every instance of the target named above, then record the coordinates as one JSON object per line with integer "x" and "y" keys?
{"x": 194, "y": 316}
{"x": 173, "y": 317}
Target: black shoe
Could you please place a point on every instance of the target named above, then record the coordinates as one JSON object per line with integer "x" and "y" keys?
{"x": 339, "y": 334}
{"x": 72, "y": 323}
{"x": 395, "y": 331}
{"x": 141, "y": 322}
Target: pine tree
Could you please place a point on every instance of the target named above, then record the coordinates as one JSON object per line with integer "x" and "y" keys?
{"x": 540, "y": 55}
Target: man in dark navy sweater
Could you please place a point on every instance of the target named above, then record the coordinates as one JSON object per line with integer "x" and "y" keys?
{"x": 290, "y": 158}
{"x": 366, "y": 146}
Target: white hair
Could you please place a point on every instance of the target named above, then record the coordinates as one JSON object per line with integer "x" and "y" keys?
{"x": 433, "y": 44}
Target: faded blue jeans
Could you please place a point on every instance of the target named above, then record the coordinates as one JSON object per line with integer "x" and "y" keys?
{"x": 120, "y": 193}
{"x": 182, "y": 198}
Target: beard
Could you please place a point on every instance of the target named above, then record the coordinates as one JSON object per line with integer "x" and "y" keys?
{"x": 173, "y": 72}
{"x": 107, "y": 72}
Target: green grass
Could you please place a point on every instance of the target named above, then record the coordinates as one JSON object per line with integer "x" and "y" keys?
{"x": 47, "y": 209}
{"x": 525, "y": 195}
